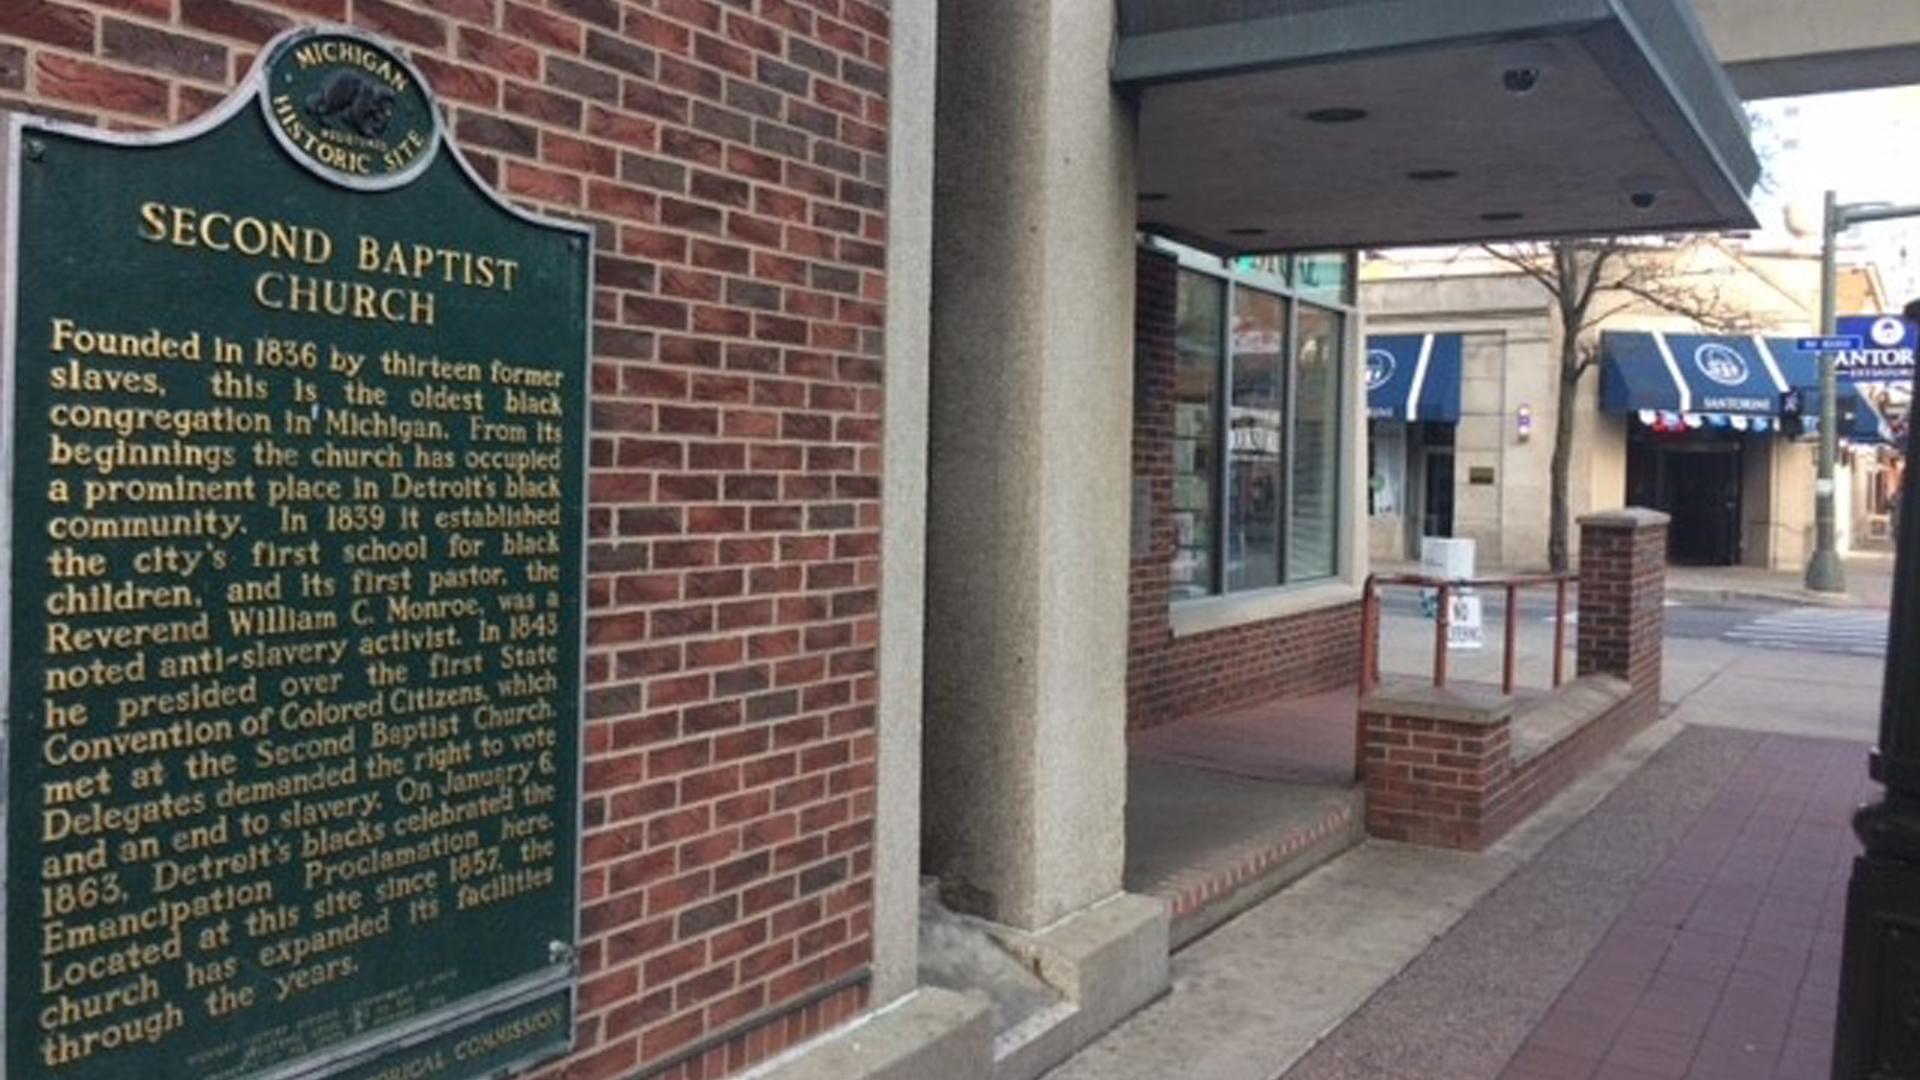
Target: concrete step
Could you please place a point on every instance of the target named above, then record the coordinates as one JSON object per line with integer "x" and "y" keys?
{"x": 1265, "y": 835}
{"x": 1046, "y": 993}
{"x": 965, "y": 955}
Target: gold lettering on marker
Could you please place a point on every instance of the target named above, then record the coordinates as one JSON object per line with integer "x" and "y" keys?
{"x": 301, "y": 625}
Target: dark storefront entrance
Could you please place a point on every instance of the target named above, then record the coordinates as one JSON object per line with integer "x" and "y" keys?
{"x": 1695, "y": 477}
{"x": 1413, "y": 405}
{"x": 1434, "y": 443}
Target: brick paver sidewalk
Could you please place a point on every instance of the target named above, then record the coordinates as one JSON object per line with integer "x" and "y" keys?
{"x": 1726, "y": 964}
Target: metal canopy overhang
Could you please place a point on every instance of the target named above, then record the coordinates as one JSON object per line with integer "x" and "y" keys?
{"x": 1631, "y": 125}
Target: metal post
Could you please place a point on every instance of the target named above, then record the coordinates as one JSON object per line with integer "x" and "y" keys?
{"x": 1507, "y": 660}
{"x": 1876, "y": 1037}
{"x": 1443, "y": 618}
{"x": 1824, "y": 572}
{"x": 1559, "y": 630}
{"x": 1369, "y": 633}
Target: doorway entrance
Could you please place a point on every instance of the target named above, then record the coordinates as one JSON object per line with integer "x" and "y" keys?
{"x": 1695, "y": 479}
{"x": 1431, "y": 451}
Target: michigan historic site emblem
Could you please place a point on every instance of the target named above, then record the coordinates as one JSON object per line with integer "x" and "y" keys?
{"x": 349, "y": 110}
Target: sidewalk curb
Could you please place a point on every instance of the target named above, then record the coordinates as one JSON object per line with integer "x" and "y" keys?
{"x": 1739, "y": 594}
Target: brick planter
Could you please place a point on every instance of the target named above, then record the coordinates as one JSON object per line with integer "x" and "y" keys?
{"x": 1457, "y": 767}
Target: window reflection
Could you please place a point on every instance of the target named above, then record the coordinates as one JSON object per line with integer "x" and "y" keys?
{"x": 1199, "y": 315}
{"x": 1255, "y": 440}
{"x": 1312, "y": 540}
{"x": 1325, "y": 277}
{"x": 1257, "y": 419}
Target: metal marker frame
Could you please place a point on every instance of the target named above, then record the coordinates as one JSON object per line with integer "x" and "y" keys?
{"x": 15, "y": 148}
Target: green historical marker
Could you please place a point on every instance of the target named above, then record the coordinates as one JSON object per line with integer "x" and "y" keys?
{"x": 295, "y": 414}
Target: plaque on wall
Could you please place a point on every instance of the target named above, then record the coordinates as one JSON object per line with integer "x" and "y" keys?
{"x": 294, "y": 414}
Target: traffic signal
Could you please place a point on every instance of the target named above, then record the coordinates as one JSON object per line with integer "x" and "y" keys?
{"x": 1793, "y": 423}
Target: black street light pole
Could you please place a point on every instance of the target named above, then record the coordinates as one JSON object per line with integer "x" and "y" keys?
{"x": 1877, "y": 1035}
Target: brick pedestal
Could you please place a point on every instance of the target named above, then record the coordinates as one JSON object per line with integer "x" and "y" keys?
{"x": 1623, "y": 581}
{"x": 1436, "y": 757}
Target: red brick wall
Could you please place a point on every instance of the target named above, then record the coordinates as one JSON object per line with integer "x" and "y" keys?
{"x": 1169, "y": 677}
{"x": 732, "y": 157}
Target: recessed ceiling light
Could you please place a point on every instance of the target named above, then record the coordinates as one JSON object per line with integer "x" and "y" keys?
{"x": 1152, "y": 196}
{"x": 1339, "y": 114}
{"x": 1424, "y": 175}
{"x": 1502, "y": 215}
{"x": 1246, "y": 230}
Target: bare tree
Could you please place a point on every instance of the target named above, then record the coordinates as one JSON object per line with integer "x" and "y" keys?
{"x": 1590, "y": 282}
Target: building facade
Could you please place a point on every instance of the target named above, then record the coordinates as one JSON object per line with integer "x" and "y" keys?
{"x": 1737, "y": 484}
{"x": 885, "y": 368}
{"x": 1244, "y": 453}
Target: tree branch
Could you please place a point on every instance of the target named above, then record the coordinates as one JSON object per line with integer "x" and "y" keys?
{"x": 1611, "y": 312}
{"x": 1528, "y": 259}
{"x": 1607, "y": 252}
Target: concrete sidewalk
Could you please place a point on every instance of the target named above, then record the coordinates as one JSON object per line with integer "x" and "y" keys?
{"x": 1648, "y": 923}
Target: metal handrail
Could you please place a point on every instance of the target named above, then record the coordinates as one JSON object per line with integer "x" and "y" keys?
{"x": 1370, "y": 621}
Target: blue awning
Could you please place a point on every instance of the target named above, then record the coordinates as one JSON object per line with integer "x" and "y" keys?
{"x": 1691, "y": 373}
{"x": 1716, "y": 377}
{"x": 1413, "y": 377}
{"x": 1867, "y": 426}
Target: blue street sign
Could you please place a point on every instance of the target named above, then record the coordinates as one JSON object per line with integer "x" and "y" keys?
{"x": 1837, "y": 343}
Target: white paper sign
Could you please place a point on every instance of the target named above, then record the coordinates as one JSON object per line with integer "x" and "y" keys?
{"x": 1464, "y": 630}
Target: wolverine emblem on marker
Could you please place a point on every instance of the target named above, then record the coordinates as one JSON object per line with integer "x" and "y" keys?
{"x": 353, "y": 102}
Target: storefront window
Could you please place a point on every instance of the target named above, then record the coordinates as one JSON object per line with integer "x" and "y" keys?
{"x": 1386, "y": 468}
{"x": 1325, "y": 277}
{"x": 1270, "y": 265}
{"x": 1254, "y": 446}
{"x": 1256, "y": 432}
{"x": 1199, "y": 318}
{"x": 1313, "y": 539}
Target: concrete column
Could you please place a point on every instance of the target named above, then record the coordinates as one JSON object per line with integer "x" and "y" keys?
{"x": 1623, "y": 579}
{"x": 903, "y": 526}
{"x": 1025, "y": 759}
